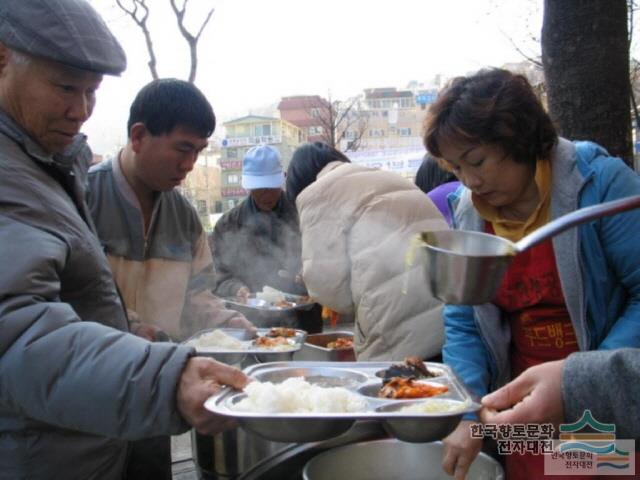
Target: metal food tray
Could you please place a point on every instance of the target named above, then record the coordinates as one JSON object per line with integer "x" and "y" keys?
{"x": 254, "y": 303}
{"x": 315, "y": 348}
{"x": 231, "y": 356}
{"x": 359, "y": 377}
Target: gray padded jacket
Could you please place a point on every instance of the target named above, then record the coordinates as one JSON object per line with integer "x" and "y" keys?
{"x": 74, "y": 385}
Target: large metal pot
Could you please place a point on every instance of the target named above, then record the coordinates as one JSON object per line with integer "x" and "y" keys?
{"x": 467, "y": 268}
{"x": 393, "y": 460}
{"x": 289, "y": 462}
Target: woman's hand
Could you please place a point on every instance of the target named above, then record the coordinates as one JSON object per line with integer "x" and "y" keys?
{"x": 460, "y": 450}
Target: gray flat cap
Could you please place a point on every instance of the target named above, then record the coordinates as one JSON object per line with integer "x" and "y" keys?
{"x": 67, "y": 31}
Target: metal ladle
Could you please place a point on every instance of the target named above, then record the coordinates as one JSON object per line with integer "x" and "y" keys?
{"x": 467, "y": 268}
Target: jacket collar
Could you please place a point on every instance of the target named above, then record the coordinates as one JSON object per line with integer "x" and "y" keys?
{"x": 63, "y": 160}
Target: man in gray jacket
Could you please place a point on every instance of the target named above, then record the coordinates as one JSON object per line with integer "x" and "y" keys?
{"x": 605, "y": 382}
{"x": 75, "y": 386}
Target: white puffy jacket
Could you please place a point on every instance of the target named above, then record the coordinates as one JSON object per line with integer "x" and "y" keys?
{"x": 357, "y": 224}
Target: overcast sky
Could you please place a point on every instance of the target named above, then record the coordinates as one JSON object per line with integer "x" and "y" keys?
{"x": 253, "y": 52}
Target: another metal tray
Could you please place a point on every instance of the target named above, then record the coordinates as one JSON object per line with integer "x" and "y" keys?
{"x": 297, "y": 302}
{"x": 315, "y": 348}
{"x": 356, "y": 376}
{"x": 236, "y": 356}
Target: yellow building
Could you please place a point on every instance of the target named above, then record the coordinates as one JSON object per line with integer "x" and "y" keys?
{"x": 202, "y": 187}
{"x": 394, "y": 119}
{"x": 244, "y": 133}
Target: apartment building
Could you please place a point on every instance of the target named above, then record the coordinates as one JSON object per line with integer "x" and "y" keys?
{"x": 308, "y": 112}
{"x": 244, "y": 133}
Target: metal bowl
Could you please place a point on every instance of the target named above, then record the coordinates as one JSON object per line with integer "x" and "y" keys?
{"x": 465, "y": 267}
{"x": 391, "y": 459}
{"x": 292, "y": 428}
{"x": 421, "y": 428}
{"x": 324, "y": 377}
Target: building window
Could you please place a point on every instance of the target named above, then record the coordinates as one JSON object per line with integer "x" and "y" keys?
{"x": 406, "y": 102}
{"x": 202, "y": 206}
{"x": 232, "y": 153}
{"x": 233, "y": 179}
{"x": 263, "y": 130}
{"x": 405, "y": 132}
{"x": 315, "y": 130}
{"x": 314, "y": 112}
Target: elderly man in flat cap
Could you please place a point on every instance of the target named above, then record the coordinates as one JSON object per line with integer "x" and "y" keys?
{"x": 75, "y": 386}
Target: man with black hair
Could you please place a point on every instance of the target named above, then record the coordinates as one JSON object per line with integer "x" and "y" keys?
{"x": 152, "y": 235}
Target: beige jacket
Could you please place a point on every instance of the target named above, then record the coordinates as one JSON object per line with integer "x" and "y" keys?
{"x": 357, "y": 224}
{"x": 165, "y": 277}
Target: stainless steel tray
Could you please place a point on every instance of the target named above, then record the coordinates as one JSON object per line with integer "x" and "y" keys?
{"x": 297, "y": 302}
{"x": 236, "y": 356}
{"x": 359, "y": 377}
{"x": 315, "y": 348}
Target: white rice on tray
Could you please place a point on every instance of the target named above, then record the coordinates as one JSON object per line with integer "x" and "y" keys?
{"x": 219, "y": 339}
{"x": 296, "y": 395}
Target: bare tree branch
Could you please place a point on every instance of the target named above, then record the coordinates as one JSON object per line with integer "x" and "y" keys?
{"x": 192, "y": 40}
{"x": 535, "y": 61}
{"x": 141, "y": 21}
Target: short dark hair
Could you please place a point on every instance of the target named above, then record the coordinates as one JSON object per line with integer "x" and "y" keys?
{"x": 431, "y": 175}
{"x": 306, "y": 163}
{"x": 492, "y": 107}
{"x": 167, "y": 103}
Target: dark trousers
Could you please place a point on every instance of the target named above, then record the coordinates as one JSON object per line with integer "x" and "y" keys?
{"x": 310, "y": 320}
{"x": 150, "y": 459}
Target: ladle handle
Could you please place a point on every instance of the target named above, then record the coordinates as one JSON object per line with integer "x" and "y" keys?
{"x": 578, "y": 217}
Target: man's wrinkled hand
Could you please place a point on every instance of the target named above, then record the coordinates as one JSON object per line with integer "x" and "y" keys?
{"x": 200, "y": 379}
{"x": 240, "y": 321}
